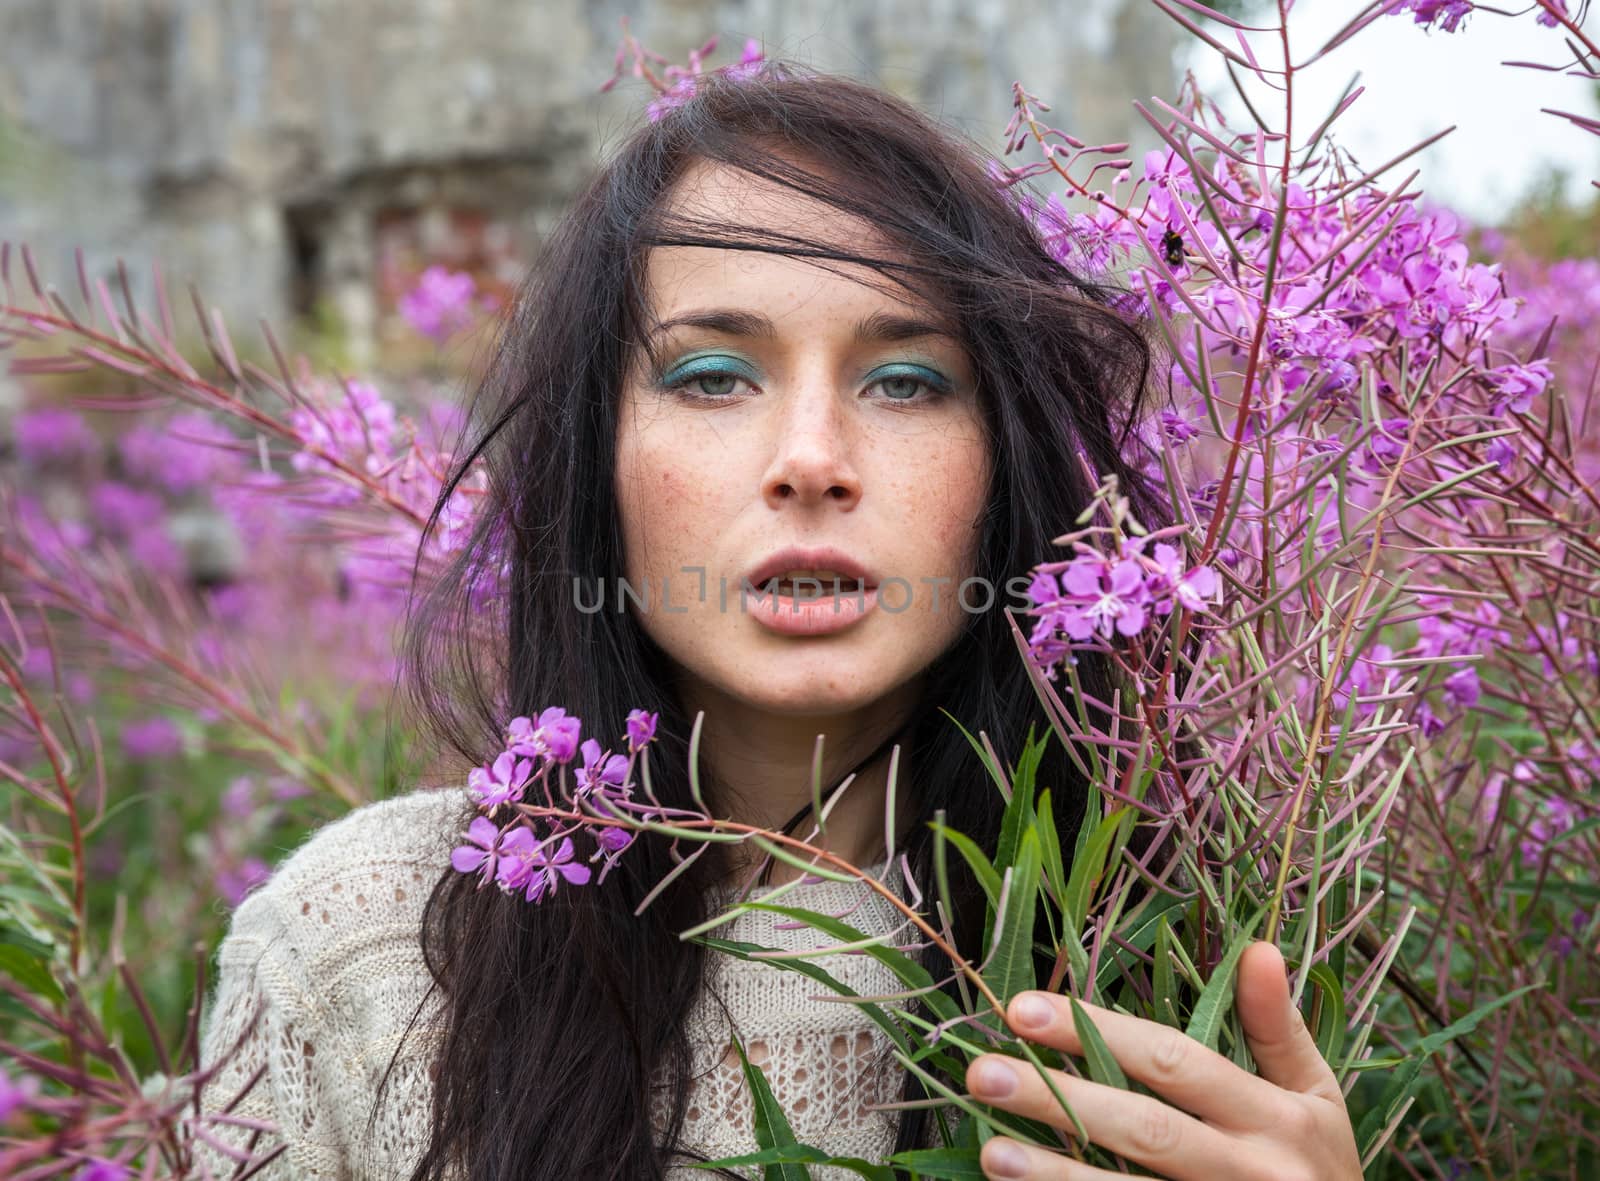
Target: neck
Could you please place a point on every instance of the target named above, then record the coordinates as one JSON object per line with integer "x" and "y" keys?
{"x": 758, "y": 768}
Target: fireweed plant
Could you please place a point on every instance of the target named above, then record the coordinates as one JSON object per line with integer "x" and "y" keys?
{"x": 1353, "y": 643}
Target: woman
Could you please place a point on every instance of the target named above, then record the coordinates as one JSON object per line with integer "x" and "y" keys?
{"x": 792, "y": 328}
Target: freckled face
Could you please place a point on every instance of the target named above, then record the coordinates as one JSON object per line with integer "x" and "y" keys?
{"x": 741, "y": 443}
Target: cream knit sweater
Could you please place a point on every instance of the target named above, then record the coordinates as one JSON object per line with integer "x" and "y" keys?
{"x": 328, "y": 948}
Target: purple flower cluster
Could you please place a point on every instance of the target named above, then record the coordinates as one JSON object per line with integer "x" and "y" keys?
{"x": 1092, "y": 598}
{"x": 443, "y": 302}
{"x": 682, "y": 83}
{"x": 518, "y": 856}
{"x": 1449, "y": 13}
{"x": 50, "y": 435}
{"x": 151, "y": 738}
{"x": 360, "y": 423}
{"x": 186, "y": 452}
{"x": 1551, "y": 814}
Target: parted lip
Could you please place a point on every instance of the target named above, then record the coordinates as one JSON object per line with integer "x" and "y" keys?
{"x": 802, "y": 557}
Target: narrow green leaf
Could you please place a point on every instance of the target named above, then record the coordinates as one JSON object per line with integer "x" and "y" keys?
{"x": 1101, "y": 1061}
{"x": 941, "y": 1164}
{"x": 1011, "y": 965}
{"x": 981, "y": 867}
{"x": 801, "y": 1154}
{"x": 1166, "y": 987}
{"x": 30, "y": 972}
{"x": 771, "y": 1125}
{"x": 1330, "y": 1024}
{"x": 1050, "y": 847}
{"x": 983, "y": 756}
{"x": 1205, "y": 1024}
{"x": 1087, "y": 865}
{"x": 1019, "y": 811}
{"x": 909, "y": 971}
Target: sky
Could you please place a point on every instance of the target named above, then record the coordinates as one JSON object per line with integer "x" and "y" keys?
{"x": 1420, "y": 81}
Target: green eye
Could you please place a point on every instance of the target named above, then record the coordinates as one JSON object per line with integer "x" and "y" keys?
{"x": 710, "y": 376}
{"x": 900, "y": 383}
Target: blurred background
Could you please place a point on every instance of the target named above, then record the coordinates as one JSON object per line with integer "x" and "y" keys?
{"x": 303, "y": 161}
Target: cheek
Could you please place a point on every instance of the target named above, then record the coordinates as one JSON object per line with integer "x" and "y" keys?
{"x": 663, "y": 502}
{"x": 958, "y": 499}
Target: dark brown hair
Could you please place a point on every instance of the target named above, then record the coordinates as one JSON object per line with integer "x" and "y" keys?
{"x": 558, "y": 1014}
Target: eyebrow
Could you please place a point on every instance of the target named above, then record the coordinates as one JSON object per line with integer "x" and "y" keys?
{"x": 880, "y": 327}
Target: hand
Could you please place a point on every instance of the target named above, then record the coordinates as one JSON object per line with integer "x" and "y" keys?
{"x": 1288, "y": 1123}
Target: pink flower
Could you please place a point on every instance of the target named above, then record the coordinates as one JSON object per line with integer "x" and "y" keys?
{"x": 598, "y": 773}
{"x": 100, "y": 1169}
{"x": 483, "y": 853}
{"x": 525, "y": 865}
{"x": 53, "y": 435}
{"x": 153, "y": 738}
{"x": 501, "y": 781}
{"x": 1461, "y": 687}
{"x": 1516, "y": 386}
{"x": 441, "y": 303}
{"x": 1192, "y": 590}
{"x": 641, "y": 729}
{"x": 16, "y": 1096}
{"x": 235, "y": 881}
{"x": 554, "y": 736}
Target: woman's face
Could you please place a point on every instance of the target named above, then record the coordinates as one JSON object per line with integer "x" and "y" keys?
{"x": 805, "y": 408}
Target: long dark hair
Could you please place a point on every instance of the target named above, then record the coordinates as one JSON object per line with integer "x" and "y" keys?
{"x": 557, "y": 1015}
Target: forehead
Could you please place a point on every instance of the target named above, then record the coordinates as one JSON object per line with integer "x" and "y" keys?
{"x": 719, "y": 193}
{"x": 726, "y": 200}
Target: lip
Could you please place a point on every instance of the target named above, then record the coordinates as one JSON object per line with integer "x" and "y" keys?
{"x": 802, "y": 557}
{"x": 822, "y": 616}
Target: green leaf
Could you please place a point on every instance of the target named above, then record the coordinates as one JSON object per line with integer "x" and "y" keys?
{"x": 945, "y": 1164}
{"x": 983, "y": 756}
{"x": 1166, "y": 986}
{"x": 1330, "y": 1025}
{"x": 1011, "y": 964}
{"x": 1101, "y": 1061}
{"x": 908, "y": 970}
{"x": 1087, "y": 865}
{"x": 873, "y": 1011}
{"x": 1019, "y": 812}
{"x": 1050, "y": 846}
{"x": 31, "y": 972}
{"x": 982, "y": 869}
{"x": 1205, "y": 1024}
{"x": 801, "y": 1154}
{"x": 1141, "y": 937}
{"x": 771, "y": 1125}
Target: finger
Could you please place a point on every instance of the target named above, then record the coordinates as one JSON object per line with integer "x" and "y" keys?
{"x": 1167, "y": 1060}
{"x": 1005, "y": 1159}
{"x": 1138, "y": 1127}
{"x": 1285, "y": 1052}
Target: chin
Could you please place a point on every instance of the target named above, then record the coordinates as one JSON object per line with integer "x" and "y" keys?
{"x": 819, "y": 684}
{"x": 841, "y": 694}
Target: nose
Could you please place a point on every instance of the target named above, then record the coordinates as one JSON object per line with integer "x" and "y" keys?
{"x": 812, "y": 452}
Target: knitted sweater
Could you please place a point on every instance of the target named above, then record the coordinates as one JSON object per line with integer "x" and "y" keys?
{"x": 328, "y": 948}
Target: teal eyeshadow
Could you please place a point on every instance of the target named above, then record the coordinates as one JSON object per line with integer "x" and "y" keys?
{"x": 709, "y": 363}
{"x": 693, "y": 367}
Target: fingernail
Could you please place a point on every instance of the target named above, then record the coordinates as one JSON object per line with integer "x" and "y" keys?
{"x": 1032, "y": 1012}
{"x": 1007, "y": 1160}
{"x": 994, "y": 1078}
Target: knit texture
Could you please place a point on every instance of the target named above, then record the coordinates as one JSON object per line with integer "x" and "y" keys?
{"x": 328, "y": 951}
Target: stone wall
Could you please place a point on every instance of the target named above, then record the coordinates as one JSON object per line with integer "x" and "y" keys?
{"x": 288, "y": 154}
